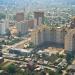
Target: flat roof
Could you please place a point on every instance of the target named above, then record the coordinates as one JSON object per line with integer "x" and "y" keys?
{"x": 72, "y": 67}
{"x": 1, "y": 57}
{"x": 21, "y": 50}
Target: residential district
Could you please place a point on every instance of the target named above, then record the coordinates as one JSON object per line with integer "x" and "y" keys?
{"x": 40, "y": 43}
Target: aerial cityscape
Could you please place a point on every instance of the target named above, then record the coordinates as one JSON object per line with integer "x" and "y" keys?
{"x": 37, "y": 37}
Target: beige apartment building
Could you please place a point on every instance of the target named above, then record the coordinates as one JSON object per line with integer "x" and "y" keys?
{"x": 70, "y": 37}
{"x": 45, "y": 34}
{"x": 70, "y": 40}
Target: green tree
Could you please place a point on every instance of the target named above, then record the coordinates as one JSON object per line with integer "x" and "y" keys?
{"x": 31, "y": 45}
{"x": 69, "y": 57}
{"x": 11, "y": 69}
{"x": 51, "y": 72}
{"x": 8, "y": 33}
{"x": 19, "y": 34}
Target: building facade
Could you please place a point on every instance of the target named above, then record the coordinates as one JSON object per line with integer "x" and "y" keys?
{"x": 70, "y": 40}
{"x": 38, "y": 18}
{"x": 22, "y": 27}
{"x": 45, "y": 34}
{"x": 2, "y": 27}
{"x": 20, "y": 16}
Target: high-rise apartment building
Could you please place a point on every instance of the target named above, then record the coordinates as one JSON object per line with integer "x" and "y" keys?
{"x": 20, "y": 16}
{"x": 22, "y": 27}
{"x": 51, "y": 35}
{"x": 38, "y": 18}
{"x": 2, "y": 27}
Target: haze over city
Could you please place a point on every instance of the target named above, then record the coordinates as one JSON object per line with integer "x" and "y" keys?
{"x": 37, "y": 37}
{"x": 36, "y": 2}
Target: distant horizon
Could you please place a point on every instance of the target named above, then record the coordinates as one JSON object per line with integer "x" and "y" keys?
{"x": 32, "y": 3}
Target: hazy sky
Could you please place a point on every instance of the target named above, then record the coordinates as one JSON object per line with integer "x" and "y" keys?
{"x": 31, "y": 2}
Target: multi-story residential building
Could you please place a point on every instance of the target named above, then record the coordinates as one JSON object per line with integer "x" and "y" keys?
{"x": 38, "y": 18}
{"x": 70, "y": 37}
{"x": 2, "y": 27}
{"x": 22, "y": 27}
{"x": 70, "y": 40}
{"x": 20, "y": 16}
{"x": 73, "y": 23}
{"x": 31, "y": 24}
{"x": 45, "y": 34}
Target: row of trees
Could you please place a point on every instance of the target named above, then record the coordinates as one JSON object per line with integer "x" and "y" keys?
{"x": 14, "y": 70}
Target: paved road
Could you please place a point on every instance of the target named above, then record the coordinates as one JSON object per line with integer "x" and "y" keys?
{"x": 17, "y": 45}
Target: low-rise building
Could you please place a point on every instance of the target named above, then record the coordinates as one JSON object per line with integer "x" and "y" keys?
{"x": 18, "y": 51}
{"x": 71, "y": 69}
